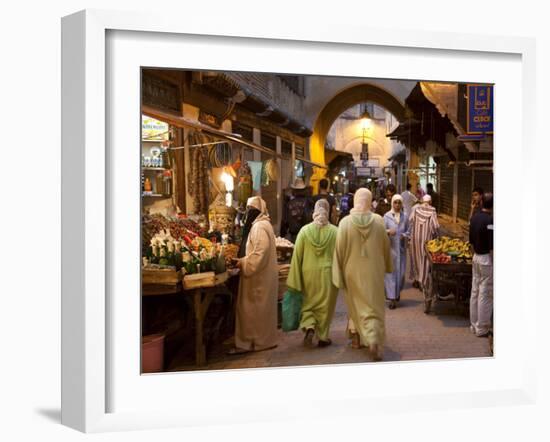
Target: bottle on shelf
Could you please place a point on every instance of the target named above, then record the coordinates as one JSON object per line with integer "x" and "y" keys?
{"x": 147, "y": 185}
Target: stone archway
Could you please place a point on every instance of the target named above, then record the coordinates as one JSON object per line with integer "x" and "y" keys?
{"x": 335, "y": 107}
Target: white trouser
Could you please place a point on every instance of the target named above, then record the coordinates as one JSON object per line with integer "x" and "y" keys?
{"x": 481, "y": 301}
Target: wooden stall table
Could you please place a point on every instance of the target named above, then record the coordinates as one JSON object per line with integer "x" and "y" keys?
{"x": 201, "y": 296}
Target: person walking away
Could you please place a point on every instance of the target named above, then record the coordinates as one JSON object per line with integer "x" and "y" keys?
{"x": 297, "y": 212}
{"x": 361, "y": 259}
{"x": 409, "y": 200}
{"x": 397, "y": 226}
{"x": 346, "y": 202}
{"x": 384, "y": 204}
{"x": 311, "y": 274}
{"x": 481, "y": 238}
{"x": 433, "y": 195}
{"x": 424, "y": 227}
{"x": 256, "y": 315}
{"x": 477, "y": 201}
{"x": 324, "y": 194}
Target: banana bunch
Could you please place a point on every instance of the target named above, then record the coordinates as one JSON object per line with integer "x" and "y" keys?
{"x": 451, "y": 246}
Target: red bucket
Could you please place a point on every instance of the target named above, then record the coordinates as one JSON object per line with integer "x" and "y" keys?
{"x": 152, "y": 353}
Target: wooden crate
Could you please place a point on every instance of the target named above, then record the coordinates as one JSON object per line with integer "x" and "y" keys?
{"x": 197, "y": 280}
{"x": 160, "y": 276}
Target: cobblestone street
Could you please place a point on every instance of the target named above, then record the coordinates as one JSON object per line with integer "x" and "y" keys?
{"x": 411, "y": 335}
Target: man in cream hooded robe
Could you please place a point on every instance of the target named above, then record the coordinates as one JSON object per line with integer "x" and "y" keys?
{"x": 361, "y": 259}
{"x": 256, "y": 316}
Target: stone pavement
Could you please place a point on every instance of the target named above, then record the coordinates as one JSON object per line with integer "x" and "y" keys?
{"x": 411, "y": 335}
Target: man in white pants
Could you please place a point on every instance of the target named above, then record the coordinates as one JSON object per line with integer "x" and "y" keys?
{"x": 481, "y": 238}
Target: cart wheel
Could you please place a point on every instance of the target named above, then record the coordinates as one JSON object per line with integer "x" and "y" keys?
{"x": 427, "y": 305}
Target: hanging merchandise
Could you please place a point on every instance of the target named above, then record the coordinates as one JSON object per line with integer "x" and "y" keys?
{"x": 223, "y": 154}
{"x": 236, "y": 166}
{"x": 198, "y": 182}
{"x": 256, "y": 169}
{"x": 264, "y": 177}
{"x": 244, "y": 187}
{"x": 272, "y": 170}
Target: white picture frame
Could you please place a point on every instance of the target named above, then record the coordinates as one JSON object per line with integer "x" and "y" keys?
{"x": 87, "y": 213}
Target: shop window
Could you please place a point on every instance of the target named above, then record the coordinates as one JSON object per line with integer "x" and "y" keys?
{"x": 286, "y": 147}
{"x": 269, "y": 141}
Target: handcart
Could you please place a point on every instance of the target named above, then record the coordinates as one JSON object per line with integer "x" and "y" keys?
{"x": 448, "y": 282}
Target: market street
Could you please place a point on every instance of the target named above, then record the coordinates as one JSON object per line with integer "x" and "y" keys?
{"x": 258, "y": 187}
{"x": 411, "y": 335}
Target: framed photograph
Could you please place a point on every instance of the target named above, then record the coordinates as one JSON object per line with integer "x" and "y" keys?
{"x": 186, "y": 299}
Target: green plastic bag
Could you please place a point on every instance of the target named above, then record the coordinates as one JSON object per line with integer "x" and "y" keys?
{"x": 292, "y": 310}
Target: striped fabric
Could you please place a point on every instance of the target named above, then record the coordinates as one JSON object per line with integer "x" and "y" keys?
{"x": 424, "y": 227}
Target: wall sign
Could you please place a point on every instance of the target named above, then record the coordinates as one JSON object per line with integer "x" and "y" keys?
{"x": 479, "y": 109}
{"x": 153, "y": 130}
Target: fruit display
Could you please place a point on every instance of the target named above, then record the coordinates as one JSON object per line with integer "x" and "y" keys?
{"x": 446, "y": 247}
{"x": 230, "y": 252}
{"x": 283, "y": 242}
{"x": 191, "y": 255}
{"x": 441, "y": 258}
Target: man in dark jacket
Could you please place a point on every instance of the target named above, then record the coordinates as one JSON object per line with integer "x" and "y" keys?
{"x": 481, "y": 238}
{"x": 323, "y": 194}
{"x": 346, "y": 201}
{"x": 297, "y": 211}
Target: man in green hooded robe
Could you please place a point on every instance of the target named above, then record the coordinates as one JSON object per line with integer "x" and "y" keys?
{"x": 311, "y": 274}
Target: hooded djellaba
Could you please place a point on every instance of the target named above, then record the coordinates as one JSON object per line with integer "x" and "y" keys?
{"x": 361, "y": 259}
{"x": 311, "y": 274}
{"x": 256, "y": 315}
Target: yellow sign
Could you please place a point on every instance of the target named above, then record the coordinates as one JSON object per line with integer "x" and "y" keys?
{"x": 153, "y": 130}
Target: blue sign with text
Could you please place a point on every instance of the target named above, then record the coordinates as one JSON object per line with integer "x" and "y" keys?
{"x": 480, "y": 109}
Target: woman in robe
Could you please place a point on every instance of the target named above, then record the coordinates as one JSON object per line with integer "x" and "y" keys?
{"x": 397, "y": 226}
{"x": 256, "y": 317}
{"x": 311, "y": 274}
{"x": 361, "y": 259}
{"x": 424, "y": 226}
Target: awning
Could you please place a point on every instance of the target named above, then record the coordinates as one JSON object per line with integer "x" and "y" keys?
{"x": 183, "y": 122}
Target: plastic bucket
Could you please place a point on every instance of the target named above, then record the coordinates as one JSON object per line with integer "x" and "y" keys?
{"x": 152, "y": 353}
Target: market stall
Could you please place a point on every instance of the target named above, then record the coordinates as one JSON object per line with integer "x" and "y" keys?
{"x": 188, "y": 254}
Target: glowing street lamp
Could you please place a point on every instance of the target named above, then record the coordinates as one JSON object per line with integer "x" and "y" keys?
{"x": 366, "y": 124}
{"x": 227, "y": 180}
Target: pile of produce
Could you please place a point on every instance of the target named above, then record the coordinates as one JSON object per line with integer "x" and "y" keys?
{"x": 230, "y": 252}
{"x": 441, "y": 258}
{"x": 283, "y": 242}
{"x": 193, "y": 255}
{"x": 181, "y": 229}
{"x": 446, "y": 247}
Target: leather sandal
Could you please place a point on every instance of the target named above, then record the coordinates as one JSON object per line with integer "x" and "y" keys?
{"x": 324, "y": 343}
{"x": 355, "y": 341}
{"x": 308, "y": 338}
